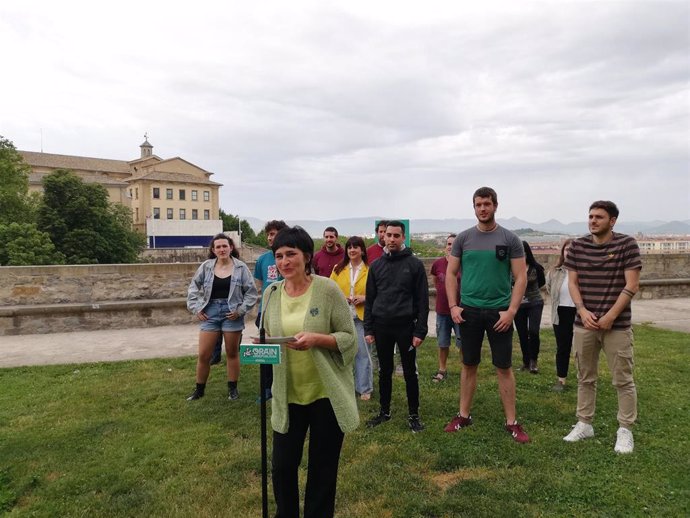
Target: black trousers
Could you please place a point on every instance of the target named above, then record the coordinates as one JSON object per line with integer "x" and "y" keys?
{"x": 386, "y": 337}
{"x": 564, "y": 339}
{"x": 325, "y": 442}
{"x": 527, "y": 322}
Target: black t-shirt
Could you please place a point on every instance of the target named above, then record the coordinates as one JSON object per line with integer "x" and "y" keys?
{"x": 221, "y": 287}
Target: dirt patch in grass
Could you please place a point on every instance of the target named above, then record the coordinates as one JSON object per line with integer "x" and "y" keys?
{"x": 448, "y": 479}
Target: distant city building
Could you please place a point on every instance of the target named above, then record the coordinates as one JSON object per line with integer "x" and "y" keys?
{"x": 173, "y": 201}
{"x": 662, "y": 245}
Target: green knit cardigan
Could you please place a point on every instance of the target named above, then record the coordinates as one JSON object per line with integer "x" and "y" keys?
{"x": 328, "y": 313}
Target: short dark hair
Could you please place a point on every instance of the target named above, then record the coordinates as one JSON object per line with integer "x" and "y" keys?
{"x": 396, "y": 223}
{"x": 296, "y": 237}
{"x": 275, "y": 224}
{"x": 485, "y": 192}
{"x": 331, "y": 229}
{"x": 212, "y": 254}
{"x": 451, "y": 235}
{"x": 608, "y": 206}
{"x": 382, "y": 223}
{"x": 354, "y": 241}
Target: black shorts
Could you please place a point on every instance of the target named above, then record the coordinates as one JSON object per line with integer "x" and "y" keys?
{"x": 477, "y": 321}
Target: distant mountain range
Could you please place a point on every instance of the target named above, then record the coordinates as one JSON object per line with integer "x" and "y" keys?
{"x": 360, "y": 226}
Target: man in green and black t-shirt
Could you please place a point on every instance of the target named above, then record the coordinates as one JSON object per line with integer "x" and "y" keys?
{"x": 603, "y": 276}
{"x": 486, "y": 255}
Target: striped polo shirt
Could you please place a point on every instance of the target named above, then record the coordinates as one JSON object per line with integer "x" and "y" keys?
{"x": 601, "y": 273}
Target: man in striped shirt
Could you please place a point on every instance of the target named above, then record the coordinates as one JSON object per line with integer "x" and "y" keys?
{"x": 603, "y": 277}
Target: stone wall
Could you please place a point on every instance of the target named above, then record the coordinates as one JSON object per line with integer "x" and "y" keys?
{"x": 22, "y": 285}
{"x": 248, "y": 253}
{"x": 45, "y": 299}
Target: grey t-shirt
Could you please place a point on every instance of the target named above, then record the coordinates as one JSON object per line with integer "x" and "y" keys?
{"x": 485, "y": 262}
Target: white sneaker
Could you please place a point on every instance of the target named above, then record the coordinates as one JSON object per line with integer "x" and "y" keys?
{"x": 580, "y": 431}
{"x": 624, "y": 441}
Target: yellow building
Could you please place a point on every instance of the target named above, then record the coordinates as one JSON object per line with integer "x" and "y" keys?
{"x": 172, "y": 190}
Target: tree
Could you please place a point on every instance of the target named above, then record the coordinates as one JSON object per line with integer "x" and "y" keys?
{"x": 261, "y": 239}
{"x": 22, "y": 244}
{"x": 231, "y": 222}
{"x": 84, "y": 225}
{"x": 16, "y": 204}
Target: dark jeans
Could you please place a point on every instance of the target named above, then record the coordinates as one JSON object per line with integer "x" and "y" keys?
{"x": 217, "y": 350}
{"x": 325, "y": 442}
{"x": 564, "y": 339}
{"x": 527, "y": 322}
{"x": 269, "y": 371}
{"x": 387, "y": 335}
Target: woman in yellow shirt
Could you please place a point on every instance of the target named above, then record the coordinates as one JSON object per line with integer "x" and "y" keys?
{"x": 351, "y": 276}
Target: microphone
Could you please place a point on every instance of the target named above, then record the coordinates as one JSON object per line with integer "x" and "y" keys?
{"x": 262, "y": 329}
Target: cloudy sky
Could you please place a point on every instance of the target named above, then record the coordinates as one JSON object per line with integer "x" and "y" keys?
{"x": 320, "y": 109}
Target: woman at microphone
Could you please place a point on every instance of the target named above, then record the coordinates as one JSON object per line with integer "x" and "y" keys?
{"x": 313, "y": 387}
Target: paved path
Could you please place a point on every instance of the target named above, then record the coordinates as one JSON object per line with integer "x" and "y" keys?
{"x": 173, "y": 341}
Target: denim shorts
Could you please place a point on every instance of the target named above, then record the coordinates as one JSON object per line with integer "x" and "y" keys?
{"x": 444, "y": 325}
{"x": 216, "y": 311}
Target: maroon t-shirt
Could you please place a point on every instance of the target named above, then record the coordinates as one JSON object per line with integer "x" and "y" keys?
{"x": 374, "y": 252}
{"x": 324, "y": 261}
{"x": 438, "y": 270}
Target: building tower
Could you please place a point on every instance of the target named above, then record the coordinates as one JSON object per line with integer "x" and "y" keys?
{"x": 146, "y": 148}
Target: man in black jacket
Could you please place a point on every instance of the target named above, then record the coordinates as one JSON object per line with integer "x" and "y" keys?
{"x": 395, "y": 311}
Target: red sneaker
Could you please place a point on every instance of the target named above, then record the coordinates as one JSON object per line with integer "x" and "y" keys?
{"x": 457, "y": 423}
{"x": 519, "y": 435}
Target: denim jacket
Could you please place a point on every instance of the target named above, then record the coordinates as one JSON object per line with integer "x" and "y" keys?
{"x": 242, "y": 295}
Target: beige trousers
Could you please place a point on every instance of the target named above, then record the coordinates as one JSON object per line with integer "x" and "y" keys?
{"x": 618, "y": 348}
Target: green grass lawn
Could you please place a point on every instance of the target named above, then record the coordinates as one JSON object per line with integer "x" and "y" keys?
{"x": 119, "y": 439}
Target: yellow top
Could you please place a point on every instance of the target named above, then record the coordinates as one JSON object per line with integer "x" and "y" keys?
{"x": 343, "y": 280}
{"x": 304, "y": 384}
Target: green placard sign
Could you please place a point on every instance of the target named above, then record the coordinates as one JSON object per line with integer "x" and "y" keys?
{"x": 256, "y": 354}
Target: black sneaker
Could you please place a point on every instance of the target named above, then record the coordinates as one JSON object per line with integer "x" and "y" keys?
{"x": 197, "y": 394}
{"x": 378, "y": 419}
{"x": 415, "y": 424}
{"x": 233, "y": 394}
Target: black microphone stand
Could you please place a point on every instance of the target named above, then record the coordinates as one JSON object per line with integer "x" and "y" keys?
{"x": 263, "y": 381}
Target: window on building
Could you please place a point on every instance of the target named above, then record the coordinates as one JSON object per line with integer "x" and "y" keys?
{"x": 207, "y": 195}
{"x": 130, "y": 193}
{"x": 195, "y": 214}
{"x": 195, "y": 195}
{"x": 183, "y": 194}
{"x": 168, "y": 194}
{"x": 183, "y": 214}
{"x": 170, "y": 214}
{"x": 207, "y": 214}
{"x": 156, "y": 213}
{"x": 156, "y": 193}
{"x": 136, "y": 193}
{"x": 136, "y": 214}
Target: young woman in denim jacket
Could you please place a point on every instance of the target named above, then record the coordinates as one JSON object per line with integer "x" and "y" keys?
{"x": 221, "y": 293}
